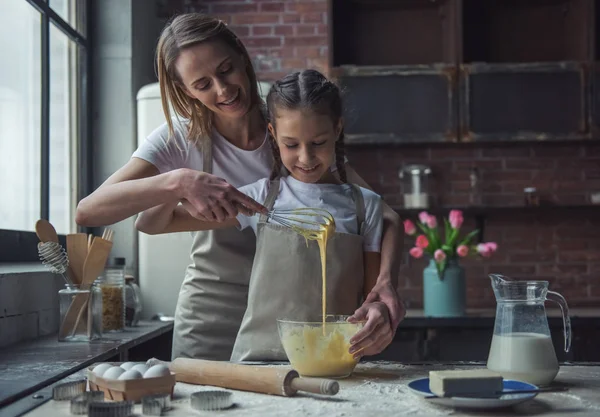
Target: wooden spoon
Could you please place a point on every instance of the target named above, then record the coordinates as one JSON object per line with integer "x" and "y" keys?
{"x": 45, "y": 231}
{"x": 77, "y": 250}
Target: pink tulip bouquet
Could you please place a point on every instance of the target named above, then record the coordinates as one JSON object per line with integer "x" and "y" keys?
{"x": 430, "y": 242}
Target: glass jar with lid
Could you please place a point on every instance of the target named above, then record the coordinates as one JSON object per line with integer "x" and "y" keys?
{"x": 112, "y": 287}
{"x": 133, "y": 301}
{"x": 84, "y": 326}
{"x": 415, "y": 185}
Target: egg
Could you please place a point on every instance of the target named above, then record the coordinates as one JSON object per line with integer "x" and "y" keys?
{"x": 152, "y": 361}
{"x": 157, "y": 371}
{"x": 99, "y": 370}
{"x": 141, "y": 368}
{"x": 113, "y": 373}
{"x": 128, "y": 365}
{"x": 131, "y": 374}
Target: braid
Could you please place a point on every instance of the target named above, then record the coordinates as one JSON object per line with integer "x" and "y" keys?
{"x": 276, "y": 170}
{"x": 340, "y": 157}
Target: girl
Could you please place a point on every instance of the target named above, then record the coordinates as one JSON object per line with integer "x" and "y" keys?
{"x": 216, "y": 142}
{"x": 305, "y": 112}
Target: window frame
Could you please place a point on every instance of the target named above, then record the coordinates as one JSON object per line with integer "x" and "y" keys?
{"x": 18, "y": 246}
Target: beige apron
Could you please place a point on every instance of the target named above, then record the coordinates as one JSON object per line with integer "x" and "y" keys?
{"x": 213, "y": 295}
{"x": 286, "y": 282}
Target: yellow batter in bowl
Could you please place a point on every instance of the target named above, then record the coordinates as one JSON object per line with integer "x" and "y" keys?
{"x": 315, "y": 349}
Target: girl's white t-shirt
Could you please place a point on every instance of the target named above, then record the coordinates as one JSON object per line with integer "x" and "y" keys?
{"x": 337, "y": 199}
{"x": 237, "y": 166}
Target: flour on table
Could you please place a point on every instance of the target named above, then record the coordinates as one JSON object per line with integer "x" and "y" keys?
{"x": 384, "y": 394}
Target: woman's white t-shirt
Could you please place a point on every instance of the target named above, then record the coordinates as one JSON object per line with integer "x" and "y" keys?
{"x": 337, "y": 199}
{"x": 237, "y": 166}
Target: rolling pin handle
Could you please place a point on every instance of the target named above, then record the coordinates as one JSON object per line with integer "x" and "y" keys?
{"x": 316, "y": 385}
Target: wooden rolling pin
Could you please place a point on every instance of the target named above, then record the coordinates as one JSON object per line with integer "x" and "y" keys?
{"x": 262, "y": 379}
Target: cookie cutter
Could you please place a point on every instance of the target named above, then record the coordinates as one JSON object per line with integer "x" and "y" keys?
{"x": 211, "y": 400}
{"x": 79, "y": 404}
{"x": 68, "y": 390}
{"x": 154, "y": 405}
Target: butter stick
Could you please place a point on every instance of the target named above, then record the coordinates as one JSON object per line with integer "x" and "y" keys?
{"x": 465, "y": 381}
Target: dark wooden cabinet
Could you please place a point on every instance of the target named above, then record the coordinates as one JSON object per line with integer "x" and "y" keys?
{"x": 393, "y": 32}
{"x": 467, "y": 70}
{"x": 595, "y": 99}
{"x": 396, "y": 61}
{"x": 524, "y": 101}
{"x": 426, "y": 109}
{"x": 518, "y": 31}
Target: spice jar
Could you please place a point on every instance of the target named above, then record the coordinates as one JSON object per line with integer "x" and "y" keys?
{"x": 133, "y": 301}
{"x": 531, "y": 196}
{"x": 89, "y": 326}
{"x": 112, "y": 286}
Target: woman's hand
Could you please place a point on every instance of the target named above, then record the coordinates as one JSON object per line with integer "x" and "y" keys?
{"x": 384, "y": 292}
{"x": 210, "y": 198}
{"x": 377, "y": 332}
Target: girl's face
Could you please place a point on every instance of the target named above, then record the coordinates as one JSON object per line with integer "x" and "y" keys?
{"x": 306, "y": 142}
{"x": 215, "y": 74}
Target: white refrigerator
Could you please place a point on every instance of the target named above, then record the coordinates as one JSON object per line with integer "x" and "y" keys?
{"x": 162, "y": 259}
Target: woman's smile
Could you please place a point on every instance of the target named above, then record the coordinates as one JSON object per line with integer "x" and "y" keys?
{"x": 232, "y": 103}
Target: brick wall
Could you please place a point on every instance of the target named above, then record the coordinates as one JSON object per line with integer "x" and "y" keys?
{"x": 561, "y": 246}
{"x": 281, "y": 36}
{"x": 28, "y": 304}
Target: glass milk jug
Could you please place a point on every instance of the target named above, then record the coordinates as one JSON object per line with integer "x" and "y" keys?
{"x": 521, "y": 345}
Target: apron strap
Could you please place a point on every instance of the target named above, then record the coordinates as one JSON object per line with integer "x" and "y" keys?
{"x": 207, "y": 162}
{"x": 271, "y": 197}
{"x": 360, "y": 207}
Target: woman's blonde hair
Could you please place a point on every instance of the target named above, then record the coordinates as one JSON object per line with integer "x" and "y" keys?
{"x": 182, "y": 32}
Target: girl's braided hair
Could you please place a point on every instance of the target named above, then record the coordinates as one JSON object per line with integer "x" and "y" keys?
{"x": 311, "y": 90}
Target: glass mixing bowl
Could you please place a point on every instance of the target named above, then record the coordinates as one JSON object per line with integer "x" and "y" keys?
{"x": 317, "y": 350}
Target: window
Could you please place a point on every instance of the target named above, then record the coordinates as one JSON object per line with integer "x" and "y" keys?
{"x": 43, "y": 119}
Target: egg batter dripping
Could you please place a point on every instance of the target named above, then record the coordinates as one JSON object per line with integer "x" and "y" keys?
{"x": 321, "y": 231}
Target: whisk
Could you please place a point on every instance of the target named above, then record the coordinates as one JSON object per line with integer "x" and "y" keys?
{"x": 54, "y": 257}
{"x": 313, "y": 219}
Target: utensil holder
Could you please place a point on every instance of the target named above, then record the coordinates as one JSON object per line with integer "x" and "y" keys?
{"x": 89, "y": 326}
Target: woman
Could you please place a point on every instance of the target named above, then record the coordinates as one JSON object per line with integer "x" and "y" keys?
{"x": 206, "y": 75}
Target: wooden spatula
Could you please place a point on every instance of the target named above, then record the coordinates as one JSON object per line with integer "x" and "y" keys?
{"x": 45, "y": 231}
{"x": 77, "y": 251}
{"x": 92, "y": 268}
{"x": 95, "y": 261}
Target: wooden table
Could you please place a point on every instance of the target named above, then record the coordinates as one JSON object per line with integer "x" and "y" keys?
{"x": 380, "y": 388}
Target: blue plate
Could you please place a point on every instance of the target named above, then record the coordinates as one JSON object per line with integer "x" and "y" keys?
{"x": 421, "y": 388}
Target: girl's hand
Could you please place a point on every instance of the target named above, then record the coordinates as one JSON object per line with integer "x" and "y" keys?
{"x": 377, "y": 332}
{"x": 210, "y": 198}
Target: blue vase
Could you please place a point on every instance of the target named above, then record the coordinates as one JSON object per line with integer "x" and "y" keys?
{"x": 445, "y": 296}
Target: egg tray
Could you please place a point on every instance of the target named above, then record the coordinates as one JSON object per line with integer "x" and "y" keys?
{"x": 130, "y": 389}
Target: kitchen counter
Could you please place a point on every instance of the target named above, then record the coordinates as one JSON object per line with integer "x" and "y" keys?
{"x": 485, "y": 318}
{"x": 420, "y": 338}
{"x": 380, "y": 388}
{"x": 29, "y": 366}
